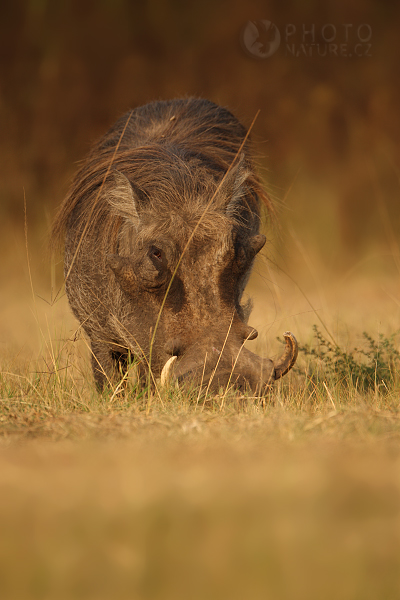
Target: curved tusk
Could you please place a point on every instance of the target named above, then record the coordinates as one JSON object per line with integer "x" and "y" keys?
{"x": 288, "y": 358}
{"x": 166, "y": 373}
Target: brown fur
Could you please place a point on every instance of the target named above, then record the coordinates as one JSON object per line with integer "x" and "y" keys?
{"x": 167, "y": 177}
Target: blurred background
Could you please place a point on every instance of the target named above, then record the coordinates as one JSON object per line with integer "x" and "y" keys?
{"x": 324, "y": 77}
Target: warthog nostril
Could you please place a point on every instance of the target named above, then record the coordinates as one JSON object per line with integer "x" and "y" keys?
{"x": 174, "y": 347}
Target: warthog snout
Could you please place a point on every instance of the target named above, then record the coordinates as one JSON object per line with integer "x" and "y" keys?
{"x": 246, "y": 370}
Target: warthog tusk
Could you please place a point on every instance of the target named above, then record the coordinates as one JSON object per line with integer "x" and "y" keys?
{"x": 288, "y": 358}
{"x": 166, "y": 373}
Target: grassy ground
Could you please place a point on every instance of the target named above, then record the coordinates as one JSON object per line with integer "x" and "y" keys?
{"x": 134, "y": 495}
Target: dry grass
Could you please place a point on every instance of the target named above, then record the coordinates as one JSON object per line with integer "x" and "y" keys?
{"x": 135, "y": 495}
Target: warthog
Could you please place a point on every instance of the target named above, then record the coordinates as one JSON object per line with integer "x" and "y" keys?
{"x": 161, "y": 229}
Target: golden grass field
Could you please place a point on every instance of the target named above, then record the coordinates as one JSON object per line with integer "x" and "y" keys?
{"x": 131, "y": 495}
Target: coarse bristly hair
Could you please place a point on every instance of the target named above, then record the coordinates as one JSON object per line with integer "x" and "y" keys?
{"x": 173, "y": 154}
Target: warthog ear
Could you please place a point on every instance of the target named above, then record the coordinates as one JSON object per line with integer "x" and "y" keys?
{"x": 123, "y": 270}
{"x": 234, "y": 186}
{"x": 124, "y": 198}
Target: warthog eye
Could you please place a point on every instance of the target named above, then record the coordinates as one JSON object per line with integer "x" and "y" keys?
{"x": 156, "y": 269}
{"x": 156, "y": 253}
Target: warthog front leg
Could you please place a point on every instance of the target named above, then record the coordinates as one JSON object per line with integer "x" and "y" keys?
{"x": 102, "y": 364}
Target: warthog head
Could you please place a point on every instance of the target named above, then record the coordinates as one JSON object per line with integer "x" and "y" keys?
{"x": 184, "y": 275}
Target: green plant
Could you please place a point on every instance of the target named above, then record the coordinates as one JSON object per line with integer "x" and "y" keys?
{"x": 375, "y": 366}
